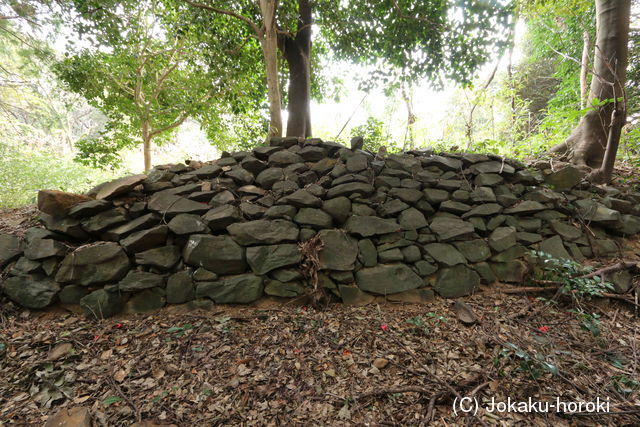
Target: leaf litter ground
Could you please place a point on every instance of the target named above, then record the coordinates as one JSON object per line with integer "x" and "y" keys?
{"x": 274, "y": 364}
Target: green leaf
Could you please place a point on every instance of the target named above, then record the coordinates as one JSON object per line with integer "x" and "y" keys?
{"x": 111, "y": 400}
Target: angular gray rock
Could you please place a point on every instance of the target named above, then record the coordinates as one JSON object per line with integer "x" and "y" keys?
{"x": 187, "y": 224}
{"x": 162, "y": 258}
{"x": 221, "y": 217}
{"x": 339, "y": 250}
{"x": 314, "y": 218}
{"x": 44, "y": 248}
{"x": 263, "y": 232}
{"x": 92, "y": 265}
{"x": 502, "y": 238}
{"x": 119, "y": 186}
{"x": 445, "y": 254}
{"x": 31, "y": 291}
{"x": 101, "y": 304}
{"x": 367, "y": 226}
{"x": 180, "y": 288}
{"x": 138, "y": 280}
{"x": 447, "y": 229}
{"x": 170, "y": 205}
{"x": 10, "y": 248}
{"x": 219, "y": 254}
{"x": 456, "y": 282}
{"x": 263, "y": 259}
{"x": 240, "y": 289}
{"x": 145, "y": 239}
{"x": 387, "y": 279}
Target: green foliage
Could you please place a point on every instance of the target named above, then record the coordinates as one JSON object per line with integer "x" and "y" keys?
{"x": 571, "y": 275}
{"x": 433, "y": 39}
{"x": 535, "y": 365}
{"x": 23, "y": 172}
{"x": 588, "y": 321}
{"x": 624, "y": 385}
{"x": 375, "y": 135}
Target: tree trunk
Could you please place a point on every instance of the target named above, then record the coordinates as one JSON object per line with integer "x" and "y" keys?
{"x": 583, "y": 70}
{"x": 407, "y": 96}
{"x": 146, "y": 145}
{"x": 296, "y": 52}
{"x": 270, "y": 52}
{"x": 586, "y": 145}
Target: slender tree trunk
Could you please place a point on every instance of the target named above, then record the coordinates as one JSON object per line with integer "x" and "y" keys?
{"x": 270, "y": 52}
{"x": 297, "y": 54}
{"x": 583, "y": 70}
{"x": 586, "y": 145}
{"x": 146, "y": 145}
{"x": 411, "y": 118}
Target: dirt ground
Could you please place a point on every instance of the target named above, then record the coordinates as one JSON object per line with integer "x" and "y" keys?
{"x": 275, "y": 363}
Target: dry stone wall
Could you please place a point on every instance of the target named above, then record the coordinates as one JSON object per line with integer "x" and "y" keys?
{"x": 403, "y": 226}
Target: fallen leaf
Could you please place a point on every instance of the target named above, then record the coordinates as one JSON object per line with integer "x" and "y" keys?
{"x": 59, "y": 351}
{"x": 464, "y": 313}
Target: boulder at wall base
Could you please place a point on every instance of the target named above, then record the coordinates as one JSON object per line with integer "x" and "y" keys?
{"x": 263, "y": 232}
{"x": 146, "y": 301}
{"x": 283, "y": 289}
{"x": 263, "y": 259}
{"x": 180, "y": 288}
{"x": 240, "y": 289}
{"x": 352, "y": 295}
{"x": 219, "y": 254}
{"x": 387, "y": 279}
{"x": 456, "y": 281}
{"x": 58, "y": 203}
{"x": 101, "y": 304}
{"x": 10, "y": 248}
{"x": 31, "y": 291}
{"x": 339, "y": 250}
{"x": 90, "y": 265}
{"x": 512, "y": 271}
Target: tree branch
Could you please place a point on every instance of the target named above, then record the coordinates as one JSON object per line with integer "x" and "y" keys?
{"x": 246, "y": 20}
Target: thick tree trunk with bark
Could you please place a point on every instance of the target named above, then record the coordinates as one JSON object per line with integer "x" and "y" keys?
{"x": 296, "y": 52}
{"x": 586, "y": 145}
{"x": 270, "y": 52}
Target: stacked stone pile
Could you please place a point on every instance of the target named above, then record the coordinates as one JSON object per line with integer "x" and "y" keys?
{"x": 403, "y": 226}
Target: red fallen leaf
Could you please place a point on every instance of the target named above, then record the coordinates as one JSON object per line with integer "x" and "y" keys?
{"x": 118, "y": 325}
{"x": 346, "y": 352}
{"x": 543, "y": 329}
{"x": 296, "y": 350}
{"x": 96, "y": 337}
{"x": 384, "y": 327}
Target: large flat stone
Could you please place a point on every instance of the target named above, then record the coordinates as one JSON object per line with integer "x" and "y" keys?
{"x": 456, "y": 281}
{"x": 31, "y": 291}
{"x": 366, "y": 226}
{"x": 96, "y": 264}
{"x": 170, "y": 205}
{"x": 450, "y": 228}
{"x": 219, "y": 254}
{"x": 240, "y": 289}
{"x": 386, "y": 279}
{"x": 119, "y": 186}
{"x": 10, "y": 248}
{"x": 263, "y": 232}
{"x": 263, "y": 259}
{"x": 339, "y": 250}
